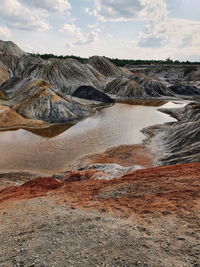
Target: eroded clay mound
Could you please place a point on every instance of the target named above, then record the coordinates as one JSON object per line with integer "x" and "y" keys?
{"x": 10, "y": 119}
{"x": 185, "y": 89}
{"x": 10, "y": 55}
{"x": 138, "y": 87}
{"x": 4, "y": 74}
{"x": 170, "y": 73}
{"x": 181, "y": 140}
{"x": 106, "y": 67}
{"x": 37, "y": 99}
{"x": 64, "y": 74}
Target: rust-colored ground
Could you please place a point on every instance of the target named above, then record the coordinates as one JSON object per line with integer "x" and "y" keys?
{"x": 125, "y": 155}
{"x": 161, "y": 189}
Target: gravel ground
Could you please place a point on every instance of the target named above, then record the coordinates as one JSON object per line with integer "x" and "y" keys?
{"x": 39, "y": 232}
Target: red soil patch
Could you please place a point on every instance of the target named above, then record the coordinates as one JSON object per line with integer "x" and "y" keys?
{"x": 126, "y": 155}
{"x": 34, "y": 188}
{"x": 43, "y": 184}
{"x": 162, "y": 189}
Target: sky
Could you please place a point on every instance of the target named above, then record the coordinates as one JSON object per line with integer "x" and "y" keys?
{"x": 132, "y": 29}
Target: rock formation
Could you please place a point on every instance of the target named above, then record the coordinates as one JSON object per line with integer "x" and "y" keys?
{"x": 106, "y": 67}
{"x": 10, "y": 55}
{"x": 138, "y": 87}
{"x": 67, "y": 75}
{"x": 180, "y": 141}
{"x": 10, "y": 119}
{"x": 64, "y": 74}
{"x": 170, "y": 73}
{"x": 4, "y": 74}
{"x": 185, "y": 89}
{"x": 36, "y": 99}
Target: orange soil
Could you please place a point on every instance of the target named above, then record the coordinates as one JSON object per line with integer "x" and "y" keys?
{"x": 125, "y": 155}
{"x": 162, "y": 189}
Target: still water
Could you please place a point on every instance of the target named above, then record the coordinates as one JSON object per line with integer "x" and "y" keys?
{"x": 117, "y": 125}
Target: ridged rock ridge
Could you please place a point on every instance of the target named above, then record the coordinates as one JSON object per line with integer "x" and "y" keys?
{"x": 64, "y": 74}
{"x": 169, "y": 73}
{"x": 138, "y": 87}
{"x": 106, "y": 67}
{"x": 4, "y": 74}
{"x": 185, "y": 89}
{"x": 181, "y": 140}
{"x": 10, "y": 55}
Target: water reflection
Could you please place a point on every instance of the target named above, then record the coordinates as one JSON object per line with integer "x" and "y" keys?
{"x": 120, "y": 124}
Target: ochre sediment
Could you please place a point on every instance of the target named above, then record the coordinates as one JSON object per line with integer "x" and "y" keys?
{"x": 125, "y": 155}
{"x": 161, "y": 189}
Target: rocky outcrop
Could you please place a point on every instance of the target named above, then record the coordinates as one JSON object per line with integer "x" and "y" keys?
{"x": 90, "y": 93}
{"x": 36, "y": 99}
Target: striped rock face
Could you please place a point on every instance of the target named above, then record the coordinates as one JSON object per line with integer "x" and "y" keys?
{"x": 38, "y": 100}
{"x": 4, "y": 74}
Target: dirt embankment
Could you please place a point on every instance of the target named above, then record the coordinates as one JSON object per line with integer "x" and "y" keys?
{"x": 145, "y": 218}
{"x": 172, "y": 189}
{"x": 125, "y": 155}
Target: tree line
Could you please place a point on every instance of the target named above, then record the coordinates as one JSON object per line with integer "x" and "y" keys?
{"x": 122, "y": 62}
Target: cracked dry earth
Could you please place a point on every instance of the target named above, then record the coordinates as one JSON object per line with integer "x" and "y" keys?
{"x": 145, "y": 218}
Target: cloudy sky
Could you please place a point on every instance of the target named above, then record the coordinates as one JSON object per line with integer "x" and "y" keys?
{"x": 138, "y": 29}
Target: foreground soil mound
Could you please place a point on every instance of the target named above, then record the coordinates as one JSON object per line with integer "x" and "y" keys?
{"x": 145, "y": 218}
{"x": 172, "y": 188}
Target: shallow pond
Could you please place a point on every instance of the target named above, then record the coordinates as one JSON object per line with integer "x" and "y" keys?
{"x": 117, "y": 125}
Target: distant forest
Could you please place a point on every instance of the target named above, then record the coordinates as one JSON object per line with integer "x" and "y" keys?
{"x": 122, "y": 62}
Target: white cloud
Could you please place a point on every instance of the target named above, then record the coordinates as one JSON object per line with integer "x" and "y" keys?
{"x": 110, "y": 35}
{"x": 183, "y": 36}
{"x": 183, "y": 41}
{"x": 14, "y": 14}
{"x": 5, "y": 33}
{"x": 50, "y": 5}
{"x": 78, "y": 38}
{"x": 71, "y": 29}
{"x": 155, "y": 13}
{"x": 118, "y": 10}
